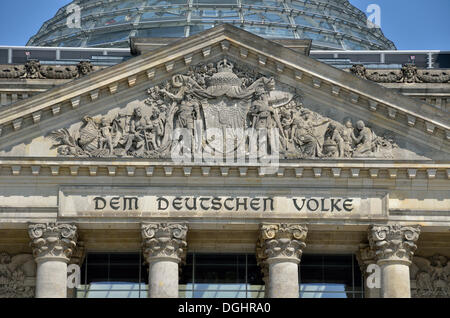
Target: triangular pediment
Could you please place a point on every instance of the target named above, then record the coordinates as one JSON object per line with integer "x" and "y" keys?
{"x": 223, "y": 78}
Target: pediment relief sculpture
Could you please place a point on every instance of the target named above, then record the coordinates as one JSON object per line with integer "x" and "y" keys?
{"x": 216, "y": 102}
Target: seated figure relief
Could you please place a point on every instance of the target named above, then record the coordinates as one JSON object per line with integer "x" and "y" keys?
{"x": 221, "y": 98}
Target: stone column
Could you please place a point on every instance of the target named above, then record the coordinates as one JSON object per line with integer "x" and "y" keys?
{"x": 366, "y": 257}
{"x": 394, "y": 246}
{"x": 52, "y": 244}
{"x": 282, "y": 246}
{"x": 164, "y": 247}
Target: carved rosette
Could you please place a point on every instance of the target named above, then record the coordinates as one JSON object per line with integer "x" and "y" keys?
{"x": 164, "y": 241}
{"x": 281, "y": 242}
{"x": 52, "y": 241}
{"x": 394, "y": 243}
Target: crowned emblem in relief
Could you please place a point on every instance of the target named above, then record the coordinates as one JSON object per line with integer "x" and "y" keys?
{"x": 221, "y": 102}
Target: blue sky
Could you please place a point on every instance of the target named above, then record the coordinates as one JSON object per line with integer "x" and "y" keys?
{"x": 410, "y": 24}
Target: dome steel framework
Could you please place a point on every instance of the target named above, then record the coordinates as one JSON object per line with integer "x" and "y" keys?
{"x": 331, "y": 24}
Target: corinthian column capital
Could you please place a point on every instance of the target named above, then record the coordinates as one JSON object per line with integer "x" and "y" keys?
{"x": 394, "y": 242}
{"x": 281, "y": 241}
{"x": 52, "y": 241}
{"x": 365, "y": 256}
{"x": 164, "y": 241}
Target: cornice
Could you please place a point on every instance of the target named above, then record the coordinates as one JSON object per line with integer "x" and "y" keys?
{"x": 391, "y": 169}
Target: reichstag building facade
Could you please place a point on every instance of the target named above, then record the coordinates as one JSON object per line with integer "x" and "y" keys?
{"x": 237, "y": 148}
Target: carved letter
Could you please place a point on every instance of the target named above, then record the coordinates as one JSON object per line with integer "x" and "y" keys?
{"x": 348, "y": 205}
{"x": 97, "y": 200}
{"x": 176, "y": 203}
{"x": 308, "y": 205}
{"x": 160, "y": 201}
{"x": 114, "y": 203}
{"x": 128, "y": 203}
{"x": 225, "y": 204}
{"x": 334, "y": 205}
{"x": 296, "y": 205}
{"x": 323, "y": 206}
{"x": 206, "y": 208}
{"x": 193, "y": 206}
{"x": 243, "y": 204}
{"x": 254, "y": 203}
{"x": 271, "y": 204}
{"x": 216, "y": 204}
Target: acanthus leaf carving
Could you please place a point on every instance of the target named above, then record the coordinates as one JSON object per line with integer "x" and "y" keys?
{"x": 164, "y": 240}
{"x": 281, "y": 241}
{"x": 14, "y": 271}
{"x": 394, "y": 242}
{"x": 432, "y": 276}
{"x": 53, "y": 240}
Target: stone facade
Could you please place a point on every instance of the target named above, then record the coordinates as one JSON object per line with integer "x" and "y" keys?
{"x": 358, "y": 169}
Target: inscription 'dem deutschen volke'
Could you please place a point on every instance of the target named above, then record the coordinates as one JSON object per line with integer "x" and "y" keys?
{"x": 225, "y": 204}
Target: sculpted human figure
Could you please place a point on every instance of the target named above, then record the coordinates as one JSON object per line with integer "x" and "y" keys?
{"x": 410, "y": 74}
{"x": 188, "y": 112}
{"x": 365, "y": 140}
{"x": 304, "y": 136}
{"x": 105, "y": 138}
{"x": 287, "y": 120}
{"x": 348, "y": 135}
{"x": 265, "y": 117}
{"x": 157, "y": 131}
{"x": 84, "y": 68}
{"x": 333, "y": 142}
{"x": 359, "y": 70}
{"x": 137, "y": 134}
{"x": 33, "y": 70}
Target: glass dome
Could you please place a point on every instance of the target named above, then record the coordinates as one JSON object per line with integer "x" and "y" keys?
{"x": 331, "y": 24}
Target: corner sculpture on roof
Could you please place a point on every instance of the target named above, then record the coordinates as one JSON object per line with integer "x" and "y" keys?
{"x": 212, "y": 100}
{"x": 33, "y": 69}
{"x": 407, "y": 74}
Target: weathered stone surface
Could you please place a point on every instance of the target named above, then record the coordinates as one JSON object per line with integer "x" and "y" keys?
{"x": 366, "y": 256}
{"x": 52, "y": 241}
{"x": 53, "y": 245}
{"x": 15, "y": 272}
{"x": 229, "y": 99}
{"x": 280, "y": 247}
{"x": 151, "y": 201}
{"x": 164, "y": 248}
{"x": 431, "y": 276}
{"x": 394, "y": 247}
{"x": 407, "y": 74}
{"x": 394, "y": 242}
{"x": 34, "y": 70}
